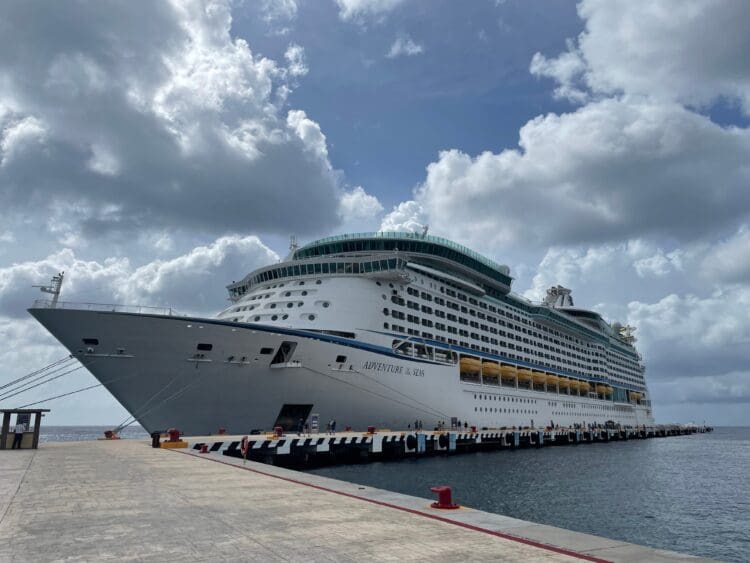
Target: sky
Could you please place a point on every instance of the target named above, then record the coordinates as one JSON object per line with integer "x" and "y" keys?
{"x": 156, "y": 151}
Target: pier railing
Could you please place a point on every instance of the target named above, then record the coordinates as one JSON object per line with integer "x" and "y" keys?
{"x": 105, "y": 307}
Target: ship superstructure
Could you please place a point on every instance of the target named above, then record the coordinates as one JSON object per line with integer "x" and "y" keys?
{"x": 370, "y": 329}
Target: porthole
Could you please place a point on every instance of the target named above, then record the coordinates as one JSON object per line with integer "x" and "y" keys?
{"x": 384, "y": 297}
{"x": 284, "y": 317}
{"x": 290, "y": 305}
{"x": 326, "y": 304}
{"x": 301, "y": 283}
{"x": 304, "y": 293}
{"x": 318, "y": 282}
{"x": 256, "y": 318}
{"x": 273, "y": 305}
{"x": 300, "y": 304}
{"x": 310, "y": 317}
{"x": 288, "y": 293}
{"x": 275, "y": 317}
{"x": 385, "y": 326}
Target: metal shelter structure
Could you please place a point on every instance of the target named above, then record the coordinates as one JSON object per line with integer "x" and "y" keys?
{"x": 31, "y": 437}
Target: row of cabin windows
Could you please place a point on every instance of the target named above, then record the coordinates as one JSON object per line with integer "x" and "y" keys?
{"x": 581, "y": 357}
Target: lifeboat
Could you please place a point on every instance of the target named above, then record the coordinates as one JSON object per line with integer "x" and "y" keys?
{"x": 491, "y": 369}
{"x": 584, "y": 387}
{"x": 608, "y": 390}
{"x": 540, "y": 378}
{"x": 634, "y": 396}
{"x": 470, "y": 365}
{"x": 601, "y": 389}
{"x": 524, "y": 374}
{"x": 574, "y": 384}
{"x": 508, "y": 372}
{"x": 564, "y": 382}
{"x": 552, "y": 379}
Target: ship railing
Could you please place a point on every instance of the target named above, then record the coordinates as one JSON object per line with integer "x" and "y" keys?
{"x": 104, "y": 307}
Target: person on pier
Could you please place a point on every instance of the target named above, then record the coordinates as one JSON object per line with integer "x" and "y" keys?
{"x": 18, "y": 431}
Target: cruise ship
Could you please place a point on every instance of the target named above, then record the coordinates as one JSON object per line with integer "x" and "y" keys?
{"x": 382, "y": 329}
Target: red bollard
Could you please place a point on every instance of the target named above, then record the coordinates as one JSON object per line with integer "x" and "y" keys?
{"x": 222, "y": 431}
{"x": 371, "y": 430}
{"x": 278, "y": 431}
{"x": 204, "y": 448}
{"x": 445, "y": 498}
{"x": 174, "y": 435}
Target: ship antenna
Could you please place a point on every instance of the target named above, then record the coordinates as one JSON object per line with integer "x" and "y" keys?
{"x": 293, "y": 243}
{"x": 425, "y": 228}
{"x": 53, "y": 288}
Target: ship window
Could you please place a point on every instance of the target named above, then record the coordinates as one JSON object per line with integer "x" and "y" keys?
{"x": 266, "y": 350}
{"x": 289, "y": 305}
{"x": 326, "y": 304}
{"x": 205, "y": 347}
{"x": 91, "y": 341}
{"x": 284, "y": 317}
{"x": 311, "y": 317}
{"x": 340, "y": 359}
{"x": 304, "y": 293}
{"x": 275, "y": 317}
{"x": 318, "y": 282}
{"x": 257, "y": 318}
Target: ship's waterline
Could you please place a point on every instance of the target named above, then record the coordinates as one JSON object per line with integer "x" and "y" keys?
{"x": 372, "y": 329}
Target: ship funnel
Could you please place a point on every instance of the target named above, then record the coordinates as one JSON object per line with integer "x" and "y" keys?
{"x": 558, "y": 297}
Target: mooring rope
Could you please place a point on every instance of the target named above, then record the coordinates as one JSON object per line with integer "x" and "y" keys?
{"x": 29, "y": 387}
{"x": 36, "y": 372}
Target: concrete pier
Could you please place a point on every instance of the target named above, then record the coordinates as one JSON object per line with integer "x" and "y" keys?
{"x": 301, "y": 451}
{"x": 123, "y": 500}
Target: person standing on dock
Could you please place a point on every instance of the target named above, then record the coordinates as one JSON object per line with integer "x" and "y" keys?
{"x": 18, "y": 431}
{"x": 300, "y": 426}
{"x": 333, "y": 426}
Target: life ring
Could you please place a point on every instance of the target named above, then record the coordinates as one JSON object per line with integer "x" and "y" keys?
{"x": 244, "y": 444}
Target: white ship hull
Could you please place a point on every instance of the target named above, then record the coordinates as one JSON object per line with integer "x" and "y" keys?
{"x": 149, "y": 364}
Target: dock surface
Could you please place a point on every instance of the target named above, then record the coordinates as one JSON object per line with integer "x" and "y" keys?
{"x": 123, "y": 500}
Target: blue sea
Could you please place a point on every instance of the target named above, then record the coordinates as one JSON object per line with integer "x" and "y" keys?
{"x": 75, "y": 433}
{"x": 685, "y": 493}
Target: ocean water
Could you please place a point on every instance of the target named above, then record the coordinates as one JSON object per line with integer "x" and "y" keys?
{"x": 685, "y": 493}
{"x": 75, "y": 433}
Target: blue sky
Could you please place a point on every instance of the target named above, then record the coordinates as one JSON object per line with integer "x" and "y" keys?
{"x": 385, "y": 118}
{"x": 157, "y": 152}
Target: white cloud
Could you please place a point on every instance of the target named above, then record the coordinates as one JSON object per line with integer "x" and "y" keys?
{"x": 279, "y": 10}
{"x": 612, "y": 170}
{"x": 19, "y": 135}
{"x": 192, "y": 282}
{"x": 404, "y": 46}
{"x": 729, "y": 260}
{"x": 686, "y": 51}
{"x": 357, "y": 204}
{"x": 359, "y": 10}
{"x": 566, "y": 69}
{"x": 295, "y": 58}
{"x": 406, "y": 216}
{"x": 689, "y": 335}
{"x": 160, "y": 120}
